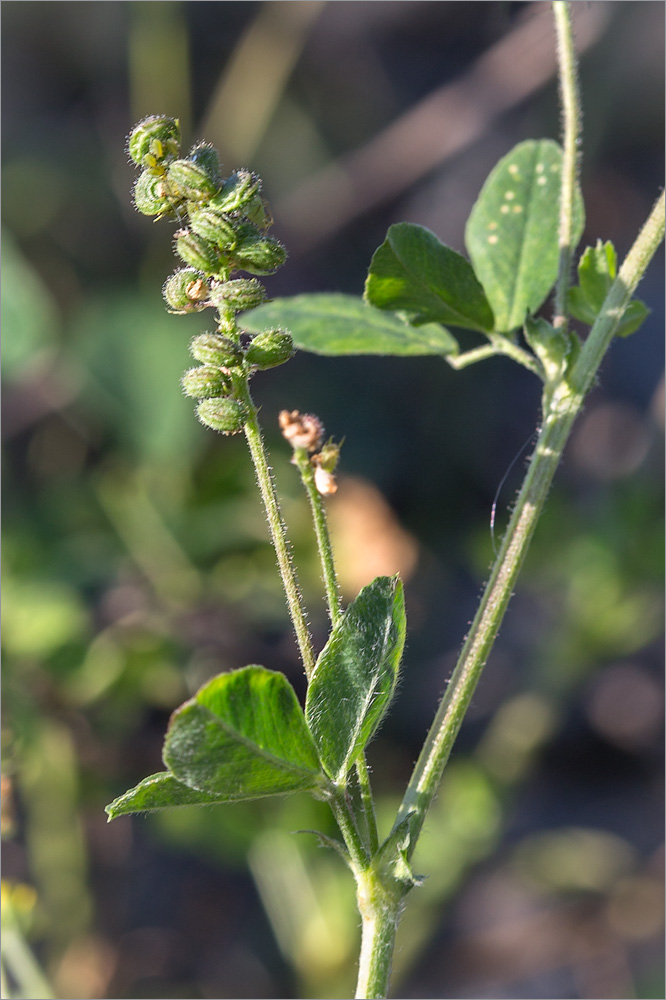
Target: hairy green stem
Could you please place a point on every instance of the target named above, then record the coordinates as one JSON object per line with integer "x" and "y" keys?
{"x": 565, "y": 405}
{"x": 368, "y": 803}
{"x": 380, "y": 915}
{"x": 320, "y": 522}
{"x": 571, "y": 120}
{"x": 278, "y": 534}
{"x": 344, "y": 816}
{"x": 498, "y": 345}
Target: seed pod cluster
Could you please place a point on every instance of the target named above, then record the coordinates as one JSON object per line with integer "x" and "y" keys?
{"x": 223, "y": 229}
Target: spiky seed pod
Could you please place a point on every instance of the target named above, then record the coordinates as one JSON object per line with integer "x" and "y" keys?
{"x": 269, "y": 349}
{"x": 205, "y": 382}
{"x": 186, "y": 291}
{"x": 205, "y": 155}
{"x": 238, "y": 190}
{"x": 191, "y": 181}
{"x": 197, "y": 252}
{"x": 237, "y": 295}
{"x": 214, "y": 349}
{"x": 213, "y": 226}
{"x": 255, "y": 252}
{"x": 151, "y": 196}
{"x": 154, "y": 141}
{"x": 224, "y": 415}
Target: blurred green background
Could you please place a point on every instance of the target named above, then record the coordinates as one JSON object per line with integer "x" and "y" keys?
{"x": 136, "y": 562}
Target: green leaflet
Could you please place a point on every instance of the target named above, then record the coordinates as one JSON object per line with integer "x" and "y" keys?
{"x": 597, "y": 270}
{"x": 336, "y": 324}
{"x": 512, "y": 231}
{"x": 159, "y": 791}
{"x": 416, "y": 275}
{"x": 355, "y": 676}
{"x": 243, "y": 736}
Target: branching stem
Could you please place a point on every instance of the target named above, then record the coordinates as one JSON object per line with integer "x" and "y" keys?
{"x": 565, "y": 406}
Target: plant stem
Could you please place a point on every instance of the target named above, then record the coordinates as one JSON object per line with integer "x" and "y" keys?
{"x": 380, "y": 914}
{"x": 368, "y": 803}
{"x": 346, "y": 821}
{"x": 498, "y": 345}
{"x": 571, "y": 117}
{"x": 565, "y": 406}
{"x": 278, "y": 533}
{"x": 324, "y": 546}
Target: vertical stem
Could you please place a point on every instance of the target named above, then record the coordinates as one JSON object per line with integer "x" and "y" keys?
{"x": 571, "y": 119}
{"x": 380, "y": 914}
{"x": 278, "y": 533}
{"x": 368, "y": 803}
{"x": 324, "y": 546}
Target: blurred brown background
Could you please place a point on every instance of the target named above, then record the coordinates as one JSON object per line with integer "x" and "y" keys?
{"x": 136, "y": 562}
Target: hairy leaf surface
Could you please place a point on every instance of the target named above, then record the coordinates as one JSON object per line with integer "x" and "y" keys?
{"x": 416, "y": 275}
{"x": 355, "y": 676}
{"x": 158, "y": 791}
{"x": 336, "y": 324}
{"x": 243, "y": 736}
{"x": 512, "y": 231}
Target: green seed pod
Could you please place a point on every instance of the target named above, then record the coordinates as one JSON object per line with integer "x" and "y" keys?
{"x": 224, "y": 415}
{"x": 213, "y": 226}
{"x": 191, "y": 181}
{"x": 255, "y": 252}
{"x": 238, "y": 190}
{"x": 197, "y": 252}
{"x": 213, "y": 349}
{"x": 205, "y": 156}
{"x": 150, "y": 195}
{"x": 205, "y": 382}
{"x": 186, "y": 291}
{"x": 237, "y": 295}
{"x": 154, "y": 141}
{"x": 269, "y": 349}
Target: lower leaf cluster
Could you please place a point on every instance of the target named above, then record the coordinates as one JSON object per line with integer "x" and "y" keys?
{"x": 244, "y": 734}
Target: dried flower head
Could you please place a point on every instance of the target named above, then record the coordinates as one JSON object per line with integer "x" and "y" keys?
{"x": 302, "y": 430}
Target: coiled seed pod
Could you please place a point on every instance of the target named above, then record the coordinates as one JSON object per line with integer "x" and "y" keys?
{"x": 224, "y": 415}
{"x": 197, "y": 251}
{"x": 186, "y": 291}
{"x": 213, "y": 226}
{"x": 205, "y": 382}
{"x": 154, "y": 141}
{"x": 151, "y": 195}
{"x": 213, "y": 349}
{"x": 255, "y": 252}
{"x": 205, "y": 155}
{"x": 269, "y": 349}
{"x": 237, "y": 191}
{"x": 191, "y": 181}
{"x": 237, "y": 295}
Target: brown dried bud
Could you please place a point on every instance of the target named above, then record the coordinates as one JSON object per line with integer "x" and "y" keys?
{"x": 302, "y": 430}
